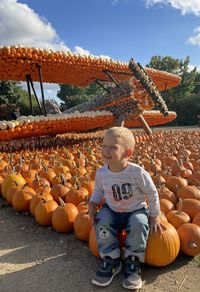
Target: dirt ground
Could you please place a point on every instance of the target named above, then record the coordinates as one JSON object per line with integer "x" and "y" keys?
{"x": 35, "y": 258}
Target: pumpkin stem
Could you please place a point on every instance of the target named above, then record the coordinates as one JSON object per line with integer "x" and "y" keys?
{"x": 180, "y": 206}
{"x": 62, "y": 203}
{"x": 192, "y": 244}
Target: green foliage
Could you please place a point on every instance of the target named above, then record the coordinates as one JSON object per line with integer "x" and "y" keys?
{"x": 185, "y": 98}
{"x": 167, "y": 64}
{"x": 197, "y": 259}
{"x": 187, "y": 109}
{"x": 10, "y": 92}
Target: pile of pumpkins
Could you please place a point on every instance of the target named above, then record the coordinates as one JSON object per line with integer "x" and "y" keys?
{"x": 54, "y": 185}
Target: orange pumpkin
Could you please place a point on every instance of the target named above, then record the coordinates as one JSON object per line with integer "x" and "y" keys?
{"x": 82, "y": 226}
{"x": 190, "y": 206}
{"x": 43, "y": 212}
{"x": 93, "y": 243}
{"x": 63, "y": 217}
{"x": 189, "y": 192}
{"x": 175, "y": 183}
{"x": 196, "y": 219}
{"x": 21, "y": 199}
{"x": 178, "y": 217}
{"x": 189, "y": 234}
{"x": 162, "y": 249}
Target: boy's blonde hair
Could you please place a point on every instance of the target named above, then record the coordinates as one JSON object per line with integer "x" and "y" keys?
{"x": 125, "y": 135}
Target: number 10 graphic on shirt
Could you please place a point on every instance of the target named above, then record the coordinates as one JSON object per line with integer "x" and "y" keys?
{"x": 123, "y": 192}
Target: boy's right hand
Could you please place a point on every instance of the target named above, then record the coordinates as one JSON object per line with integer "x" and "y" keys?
{"x": 92, "y": 211}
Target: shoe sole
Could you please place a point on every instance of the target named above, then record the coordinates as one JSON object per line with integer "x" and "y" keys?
{"x": 110, "y": 280}
{"x": 132, "y": 287}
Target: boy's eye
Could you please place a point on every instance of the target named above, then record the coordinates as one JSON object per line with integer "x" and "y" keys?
{"x": 114, "y": 147}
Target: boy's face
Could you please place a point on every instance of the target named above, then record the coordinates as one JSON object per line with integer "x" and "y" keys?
{"x": 113, "y": 151}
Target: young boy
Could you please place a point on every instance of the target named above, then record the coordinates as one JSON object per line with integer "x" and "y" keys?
{"x": 124, "y": 186}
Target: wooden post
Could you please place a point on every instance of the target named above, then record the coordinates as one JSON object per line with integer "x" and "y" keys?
{"x": 144, "y": 125}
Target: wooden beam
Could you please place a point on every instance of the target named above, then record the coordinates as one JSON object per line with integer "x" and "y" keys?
{"x": 144, "y": 125}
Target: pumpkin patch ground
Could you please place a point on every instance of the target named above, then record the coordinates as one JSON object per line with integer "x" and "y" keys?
{"x": 35, "y": 257}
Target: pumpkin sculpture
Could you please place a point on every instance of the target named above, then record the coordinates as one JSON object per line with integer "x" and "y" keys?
{"x": 162, "y": 249}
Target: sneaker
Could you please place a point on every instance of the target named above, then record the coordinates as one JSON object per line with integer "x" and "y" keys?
{"x": 107, "y": 270}
{"x": 132, "y": 276}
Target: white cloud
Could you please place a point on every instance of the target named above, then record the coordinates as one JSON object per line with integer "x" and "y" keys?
{"x": 81, "y": 51}
{"x": 191, "y": 67}
{"x": 185, "y": 6}
{"x": 19, "y": 24}
{"x": 195, "y": 40}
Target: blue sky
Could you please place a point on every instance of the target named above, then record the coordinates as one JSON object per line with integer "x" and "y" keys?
{"x": 119, "y": 29}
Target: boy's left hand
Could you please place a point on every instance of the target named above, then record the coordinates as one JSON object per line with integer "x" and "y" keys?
{"x": 155, "y": 224}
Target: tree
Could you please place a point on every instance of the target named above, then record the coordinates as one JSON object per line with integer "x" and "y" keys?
{"x": 185, "y": 92}
{"x": 10, "y": 92}
{"x": 187, "y": 110}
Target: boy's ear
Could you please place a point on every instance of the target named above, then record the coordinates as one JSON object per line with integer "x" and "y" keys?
{"x": 128, "y": 152}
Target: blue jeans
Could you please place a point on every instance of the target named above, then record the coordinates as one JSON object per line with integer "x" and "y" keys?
{"x": 109, "y": 222}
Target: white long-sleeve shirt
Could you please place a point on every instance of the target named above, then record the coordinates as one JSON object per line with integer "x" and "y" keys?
{"x": 126, "y": 191}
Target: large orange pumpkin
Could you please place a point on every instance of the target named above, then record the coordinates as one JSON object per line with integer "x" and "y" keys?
{"x": 189, "y": 234}
{"x": 162, "y": 249}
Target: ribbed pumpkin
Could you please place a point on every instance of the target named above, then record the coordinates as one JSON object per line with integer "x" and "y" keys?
{"x": 11, "y": 192}
{"x": 189, "y": 234}
{"x": 190, "y": 206}
{"x": 9, "y": 181}
{"x": 196, "y": 219}
{"x": 175, "y": 183}
{"x": 82, "y": 226}
{"x": 178, "y": 217}
{"x": 82, "y": 207}
{"x": 93, "y": 243}
{"x": 189, "y": 192}
{"x": 162, "y": 249}
{"x": 59, "y": 191}
{"x": 76, "y": 196}
{"x": 43, "y": 212}
{"x": 63, "y": 217}
{"x": 21, "y": 199}
{"x": 38, "y": 199}
{"x": 166, "y": 206}
{"x": 165, "y": 193}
